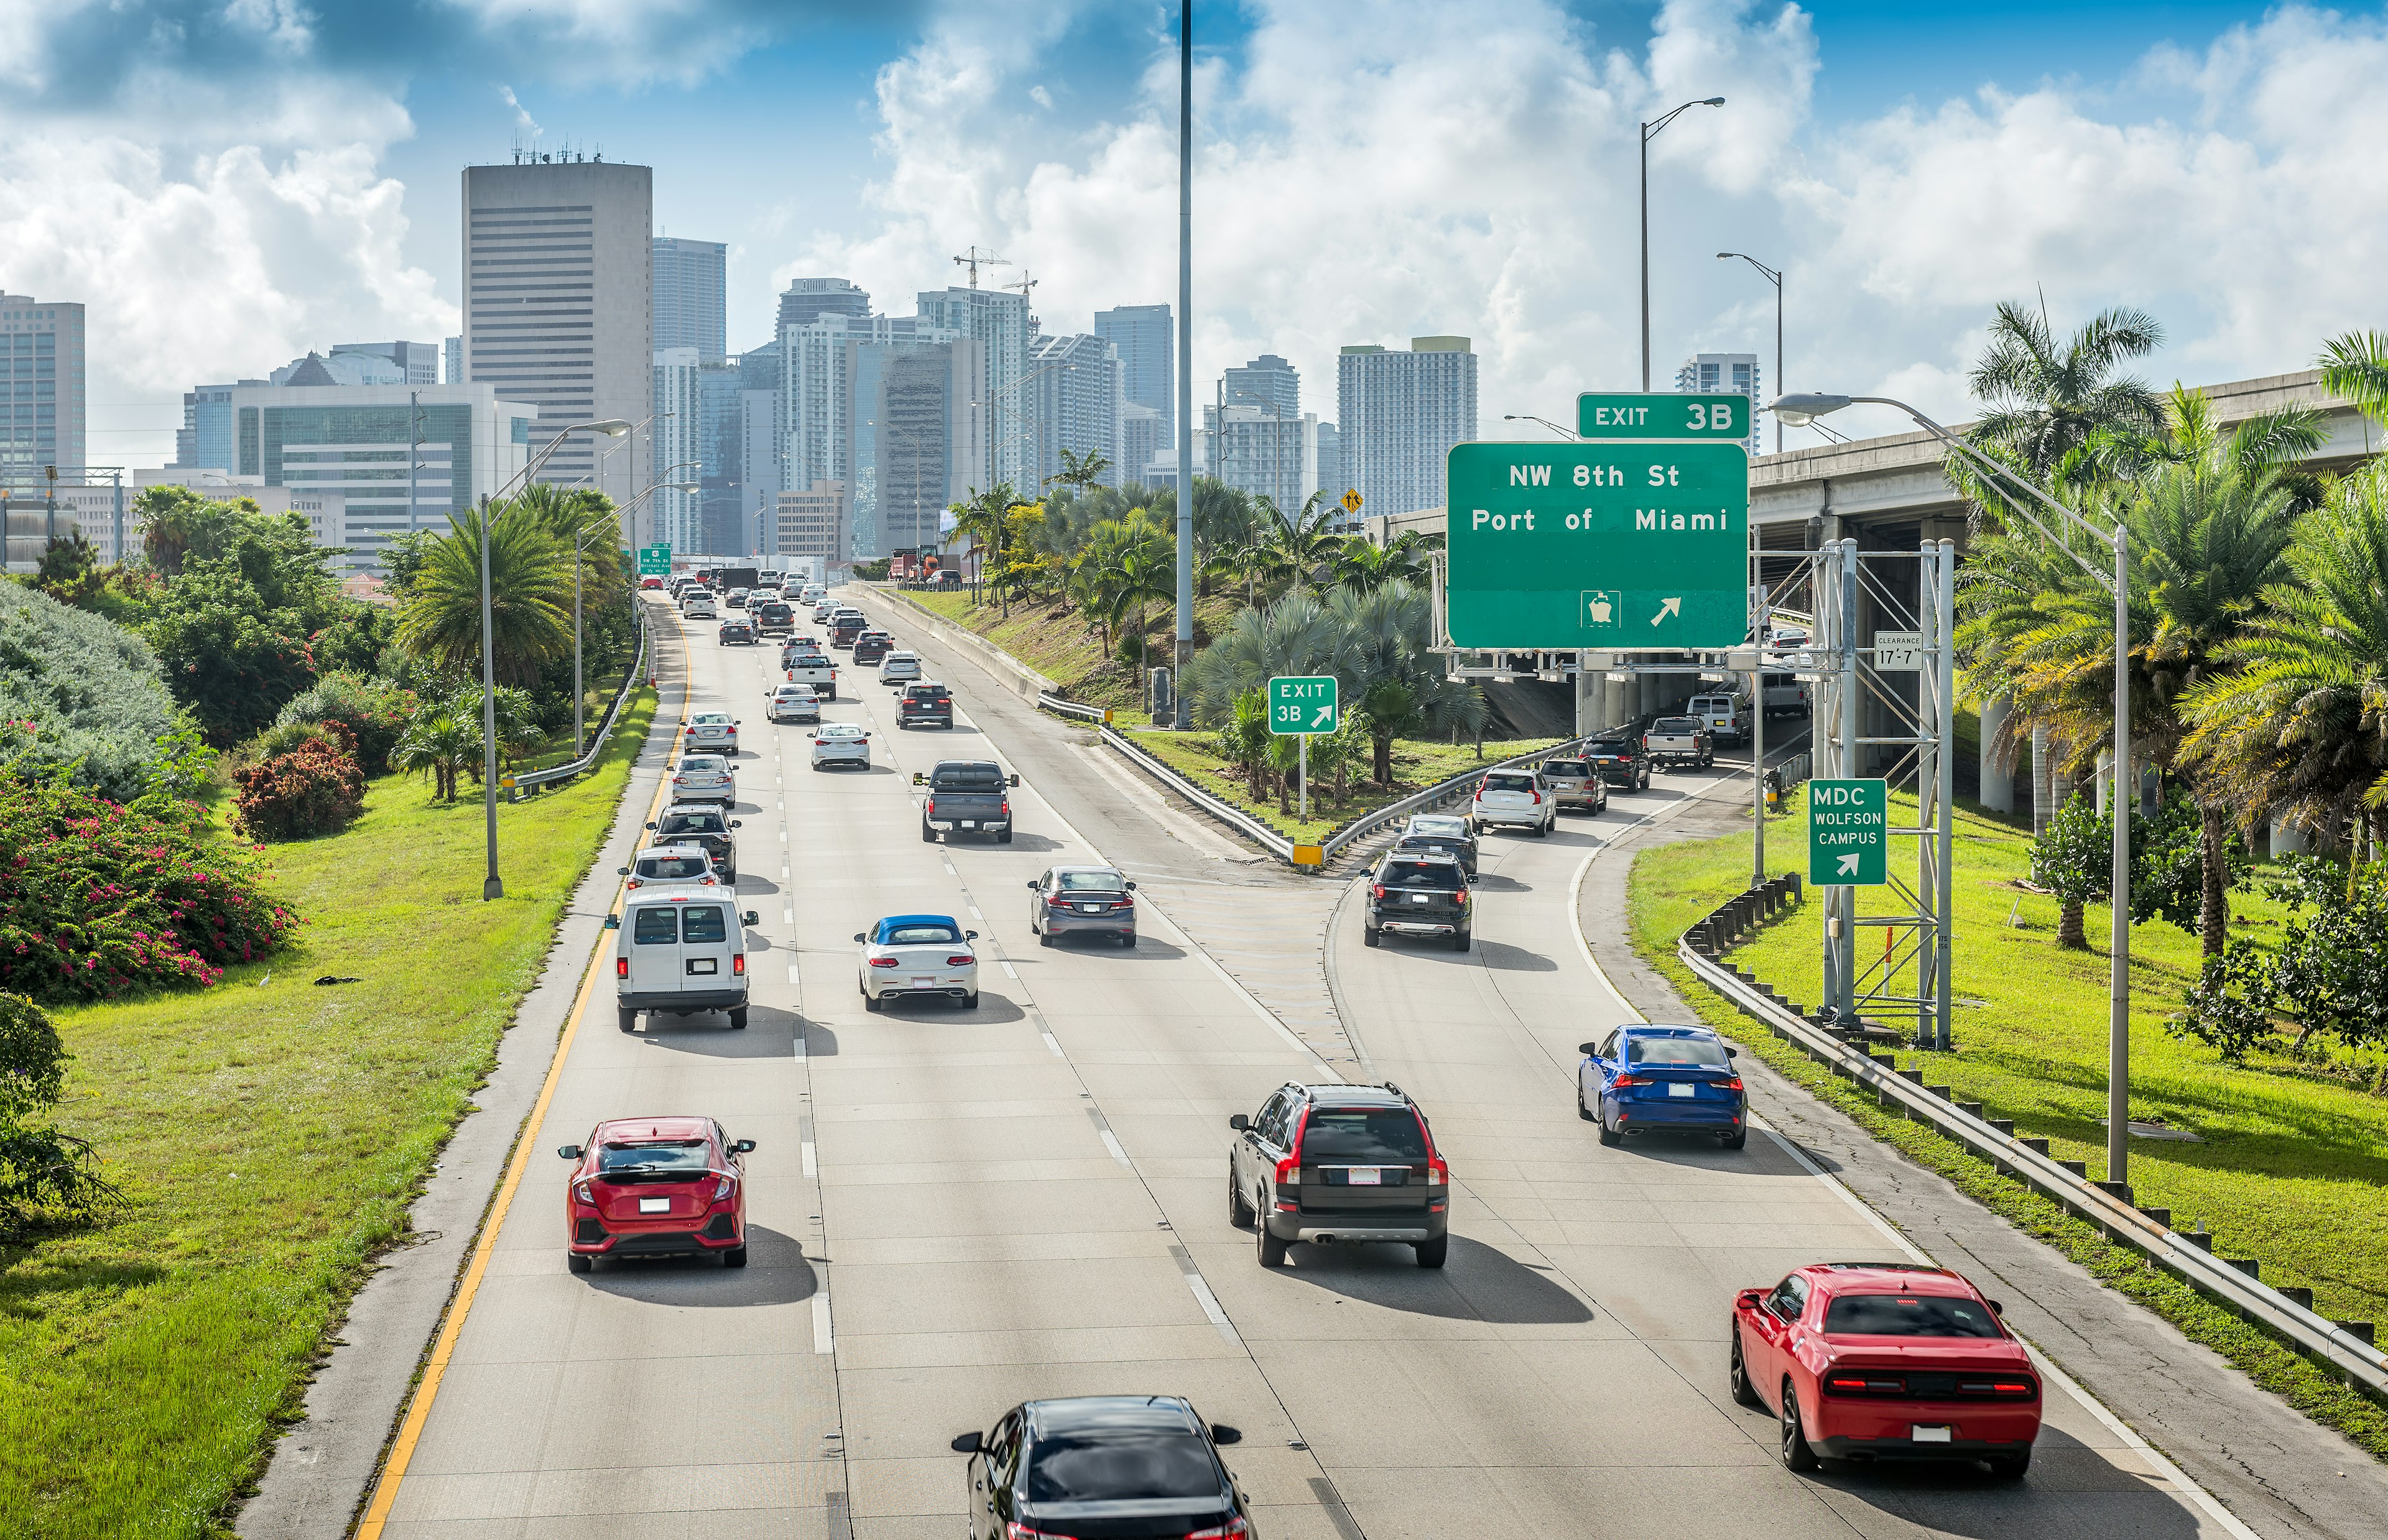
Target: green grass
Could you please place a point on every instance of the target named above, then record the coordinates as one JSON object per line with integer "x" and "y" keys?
{"x": 1060, "y": 642}
{"x": 2292, "y": 1166}
{"x": 269, "y": 1135}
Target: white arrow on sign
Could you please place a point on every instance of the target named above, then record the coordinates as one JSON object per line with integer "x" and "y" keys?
{"x": 1667, "y": 607}
{"x": 1326, "y": 714}
{"x": 1849, "y": 865}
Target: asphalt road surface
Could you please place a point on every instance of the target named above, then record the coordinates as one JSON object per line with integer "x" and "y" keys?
{"x": 952, "y": 1211}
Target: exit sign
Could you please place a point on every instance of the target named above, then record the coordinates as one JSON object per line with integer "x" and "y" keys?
{"x": 1848, "y": 833}
{"x": 1726, "y": 419}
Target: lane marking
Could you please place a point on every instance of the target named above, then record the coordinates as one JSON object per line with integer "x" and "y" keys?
{"x": 788, "y": 914}
{"x": 823, "y": 1339}
{"x": 974, "y": 914}
{"x": 793, "y": 979}
{"x": 812, "y": 1164}
{"x": 1118, "y": 1152}
{"x": 1054, "y": 1044}
{"x": 1009, "y": 971}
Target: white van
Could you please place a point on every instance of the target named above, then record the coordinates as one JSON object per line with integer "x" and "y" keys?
{"x": 1786, "y": 695}
{"x": 1727, "y": 715}
{"x": 679, "y": 951}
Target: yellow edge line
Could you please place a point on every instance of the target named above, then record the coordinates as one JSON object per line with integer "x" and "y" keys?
{"x": 418, "y": 1410}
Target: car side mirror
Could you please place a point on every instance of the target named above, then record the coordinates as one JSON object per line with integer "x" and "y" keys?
{"x": 569, "y": 1152}
{"x": 753, "y": 916}
{"x": 1015, "y": 780}
{"x": 742, "y": 1147}
{"x": 916, "y": 778}
{"x": 969, "y": 935}
{"x": 1750, "y": 1298}
{"x": 859, "y": 936}
{"x": 1589, "y": 1050}
{"x": 613, "y": 921}
{"x": 1996, "y": 1308}
{"x": 651, "y": 825}
{"x": 624, "y": 871}
{"x": 1131, "y": 887}
{"x": 1731, "y": 1051}
{"x": 737, "y": 823}
{"x": 1033, "y": 885}
{"x": 1239, "y": 1122}
{"x": 1470, "y": 876}
{"x": 969, "y": 1443}
{"x": 1222, "y": 1433}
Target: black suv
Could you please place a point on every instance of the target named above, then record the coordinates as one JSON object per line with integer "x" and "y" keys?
{"x": 1621, "y": 761}
{"x": 1339, "y": 1162}
{"x": 700, "y": 824}
{"x": 1419, "y": 893}
{"x": 924, "y": 703}
{"x": 772, "y": 617}
{"x": 1116, "y": 1464}
{"x": 872, "y": 646}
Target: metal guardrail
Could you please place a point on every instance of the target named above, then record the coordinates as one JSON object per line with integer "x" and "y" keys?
{"x": 630, "y": 680}
{"x": 1436, "y": 795}
{"x": 1072, "y": 710}
{"x": 1216, "y": 806}
{"x": 2235, "y": 1287}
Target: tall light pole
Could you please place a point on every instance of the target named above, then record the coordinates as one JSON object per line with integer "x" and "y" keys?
{"x": 492, "y": 887}
{"x": 1774, "y": 276}
{"x": 1650, "y": 132}
{"x": 1185, "y": 718}
{"x": 1529, "y": 417}
{"x": 1801, "y": 409}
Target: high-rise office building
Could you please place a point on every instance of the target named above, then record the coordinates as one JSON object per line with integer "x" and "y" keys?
{"x": 339, "y": 369}
{"x": 676, "y": 515}
{"x": 418, "y": 361}
{"x": 452, "y": 361}
{"x": 1147, "y": 350}
{"x": 1400, "y": 413}
{"x": 42, "y": 420}
{"x": 1139, "y": 440}
{"x": 1262, "y": 454}
{"x": 1074, "y": 404}
{"x": 812, "y": 523}
{"x": 998, "y": 321}
{"x": 692, "y": 294}
{"x": 760, "y": 434}
{"x": 1268, "y": 383}
{"x": 805, "y": 300}
{"x": 1330, "y": 476}
{"x": 719, "y": 434}
{"x": 912, "y": 440}
{"x": 205, "y": 439}
{"x": 559, "y": 311}
{"x": 1724, "y": 373}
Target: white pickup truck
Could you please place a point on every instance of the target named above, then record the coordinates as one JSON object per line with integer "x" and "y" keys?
{"x": 810, "y": 666}
{"x": 1680, "y": 740}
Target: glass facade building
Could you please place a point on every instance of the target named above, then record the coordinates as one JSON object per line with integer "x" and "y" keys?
{"x": 42, "y": 421}
{"x": 691, "y": 295}
{"x": 1147, "y": 350}
{"x": 1400, "y": 413}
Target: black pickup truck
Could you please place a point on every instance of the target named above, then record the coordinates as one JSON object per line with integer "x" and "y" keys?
{"x": 970, "y": 796}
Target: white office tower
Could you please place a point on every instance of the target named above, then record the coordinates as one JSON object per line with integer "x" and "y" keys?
{"x": 1147, "y": 350}
{"x": 692, "y": 294}
{"x": 1139, "y": 438}
{"x": 559, "y": 309}
{"x": 1399, "y": 414}
{"x": 1331, "y": 477}
{"x": 1268, "y": 383}
{"x": 452, "y": 361}
{"x": 1262, "y": 454}
{"x": 1723, "y": 374}
{"x": 998, "y": 321}
{"x": 1074, "y": 404}
{"x": 670, "y": 516}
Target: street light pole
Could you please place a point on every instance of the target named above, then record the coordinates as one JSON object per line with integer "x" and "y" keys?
{"x": 1774, "y": 276}
{"x": 1650, "y": 132}
{"x": 1185, "y": 718}
{"x": 1801, "y": 409}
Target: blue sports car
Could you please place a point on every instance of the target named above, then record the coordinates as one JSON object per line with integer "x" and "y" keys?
{"x": 1645, "y": 1077}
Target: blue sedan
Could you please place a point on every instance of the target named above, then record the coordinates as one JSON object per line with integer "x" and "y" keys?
{"x": 1640, "y": 1077}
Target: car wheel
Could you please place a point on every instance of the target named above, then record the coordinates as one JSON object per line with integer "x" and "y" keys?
{"x": 1128, "y": 939}
{"x": 1736, "y": 1375}
{"x": 1239, "y": 1208}
{"x": 1044, "y": 937}
{"x": 928, "y": 834}
{"x": 1270, "y": 1250}
{"x": 579, "y": 1262}
{"x": 738, "y": 1019}
{"x": 1737, "y": 1140}
{"x": 969, "y": 1000}
{"x": 627, "y": 1018}
{"x": 1607, "y": 1135}
{"x": 1430, "y": 1253}
{"x": 2008, "y": 1467}
{"x": 1460, "y": 940}
{"x": 871, "y": 1002}
{"x": 1370, "y": 938}
{"x": 1004, "y": 838}
{"x": 1796, "y": 1455}
{"x": 734, "y": 1257}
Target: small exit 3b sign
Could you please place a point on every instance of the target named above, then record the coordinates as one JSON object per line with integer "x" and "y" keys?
{"x": 1618, "y": 414}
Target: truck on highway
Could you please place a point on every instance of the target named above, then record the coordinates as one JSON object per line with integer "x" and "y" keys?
{"x": 810, "y": 665}
{"x": 1680, "y": 740}
{"x": 972, "y": 795}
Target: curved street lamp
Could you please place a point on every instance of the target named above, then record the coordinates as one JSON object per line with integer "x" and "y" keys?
{"x": 1650, "y": 132}
{"x": 1774, "y": 276}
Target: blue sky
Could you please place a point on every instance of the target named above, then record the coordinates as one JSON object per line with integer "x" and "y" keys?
{"x": 230, "y": 184}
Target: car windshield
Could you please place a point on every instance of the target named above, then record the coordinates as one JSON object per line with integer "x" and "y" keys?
{"x": 1697, "y": 1052}
{"x": 713, "y": 719}
{"x": 1508, "y": 783}
{"x": 1089, "y": 882}
{"x": 652, "y": 1156}
{"x": 919, "y": 935}
{"x": 1908, "y": 1316}
{"x": 1674, "y": 724}
{"x": 673, "y": 868}
{"x": 1111, "y": 1467}
{"x": 1442, "y": 875}
{"x": 691, "y": 822}
{"x": 1388, "y": 1136}
{"x": 1566, "y": 767}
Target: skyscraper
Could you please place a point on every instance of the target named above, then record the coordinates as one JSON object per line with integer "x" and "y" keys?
{"x": 1400, "y": 413}
{"x": 761, "y": 430}
{"x": 1268, "y": 383}
{"x": 910, "y": 439}
{"x": 1139, "y": 437}
{"x": 808, "y": 300}
{"x": 42, "y": 421}
{"x": 691, "y": 295}
{"x": 559, "y": 309}
{"x": 676, "y": 516}
{"x": 452, "y": 361}
{"x": 1723, "y": 373}
{"x": 1331, "y": 477}
{"x": 1074, "y": 404}
{"x": 998, "y": 321}
{"x": 1262, "y": 454}
{"x": 417, "y": 361}
{"x": 1147, "y": 350}
{"x": 719, "y": 443}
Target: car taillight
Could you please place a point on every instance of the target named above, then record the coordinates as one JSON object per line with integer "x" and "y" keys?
{"x": 1623, "y": 1081}
{"x": 1234, "y": 1529}
{"x": 1732, "y": 1084}
{"x": 1058, "y": 901}
{"x": 930, "y": 809}
{"x": 1289, "y": 1170}
{"x": 1860, "y": 1383}
{"x": 1645, "y": 740}
{"x": 1438, "y": 1171}
{"x": 1007, "y": 807}
{"x": 1376, "y": 889}
{"x": 738, "y": 964}
{"x": 580, "y": 1191}
{"x": 723, "y": 1188}
{"x": 1460, "y": 897}
{"x": 882, "y": 962}
{"x": 962, "y": 960}
{"x": 621, "y": 968}
{"x": 1538, "y": 799}
{"x": 1015, "y": 1530}
{"x": 679, "y": 780}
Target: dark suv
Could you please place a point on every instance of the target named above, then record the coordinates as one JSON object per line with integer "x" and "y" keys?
{"x": 1339, "y": 1162}
{"x": 924, "y": 703}
{"x": 1419, "y": 893}
{"x": 700, "y": 824}
{"x": 872, "y": 646}
{"x": 1621, "y": 761}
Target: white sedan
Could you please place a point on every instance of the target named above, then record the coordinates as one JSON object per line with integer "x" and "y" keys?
{"x": 917, "y": 954}
{"x": 705, "y": 779}
{"x": 794, "y": 703}
{"x": 714, "y": 731}
{"x": 840, "y": 743}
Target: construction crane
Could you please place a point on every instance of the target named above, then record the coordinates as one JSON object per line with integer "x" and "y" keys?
{"x": 1026, "y": 285}
{"x": 975, "y": 259}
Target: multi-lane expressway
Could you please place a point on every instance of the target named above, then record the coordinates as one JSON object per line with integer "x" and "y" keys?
{"x": 954, "y": 1211}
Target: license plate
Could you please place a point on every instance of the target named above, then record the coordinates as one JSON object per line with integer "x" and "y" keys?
{"x": 1364, "y": 1175}
{"x": 705, "y": 965}
{"x": 1090, "y": 909}
{"x": 924, "y": 980}
{"x": 1421, "y": 898}
{"x": 1929, "y": 1432}
{"x": 970, "y": 823}
{"x": 1681, "y": 1091}
{"x": 663, "y": 1205}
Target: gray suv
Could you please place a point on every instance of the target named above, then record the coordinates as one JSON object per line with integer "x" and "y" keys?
{"x": 1331, "y": 1164}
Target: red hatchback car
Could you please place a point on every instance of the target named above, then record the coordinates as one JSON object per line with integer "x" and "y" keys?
{"x": 1867, "y": 1360}
{"x": 656, "y": 1187}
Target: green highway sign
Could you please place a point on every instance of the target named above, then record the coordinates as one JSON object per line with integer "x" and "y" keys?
{"x": 1848, "y": 833}
{"x": 1303, "y": 704}
{"x": 655, "y": 560}
{"x": 1725, "y": 418}
{"x": 1613, "y": 546}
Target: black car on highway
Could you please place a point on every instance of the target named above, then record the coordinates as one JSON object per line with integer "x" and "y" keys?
{"x": 925, "y": 704}
{"x": 773, "y": 617}
{"x": 1621, "y": 761}
{"x": 700, "y": 824}
{"x": 1338, "y": 1164}
{"x": 872, "y": 646}
{"x": 966, "y": 796}
{"x": 1083, "y": 901}
{"x": 1419, "y": 894}
{"x": 737, "y": 633}
{"x": 1117, "y": 1467}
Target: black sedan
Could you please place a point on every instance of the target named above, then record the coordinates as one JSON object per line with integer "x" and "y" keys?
{"x": 1119, "y": 1466}
{"x": 737, "y": 633}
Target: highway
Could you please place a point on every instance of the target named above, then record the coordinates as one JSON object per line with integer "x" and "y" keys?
{"x": 953, "y": 1211}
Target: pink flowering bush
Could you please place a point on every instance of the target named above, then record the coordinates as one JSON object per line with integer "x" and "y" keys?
{"x": 98, "y": 898}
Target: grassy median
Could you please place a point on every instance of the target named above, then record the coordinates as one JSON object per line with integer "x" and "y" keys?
{"x": 269, "y": 1134}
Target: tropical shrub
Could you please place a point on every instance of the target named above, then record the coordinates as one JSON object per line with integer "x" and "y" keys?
{"x": 2328, "y": 975}
{"x": 314, "y": 790}
{"x": 373, "y": 711}
{"x": 82, "y": 693}
{"x": 98, "y": 898}
{"x": 228, "y": 655}
{"x": 44, "y": 1173}
{"x": 440, "y": 739}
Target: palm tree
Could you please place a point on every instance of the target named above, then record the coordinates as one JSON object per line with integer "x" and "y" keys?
{"x": 2355, "y": 366}
{"x": 1300, "y": 548}
{"x": 530, "y": 596}
{"x": 2045, "y": 400}
{"x": 983, "y": 518}
{"x": 441, "y": 740}
{"x": 1364, "y": 566}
